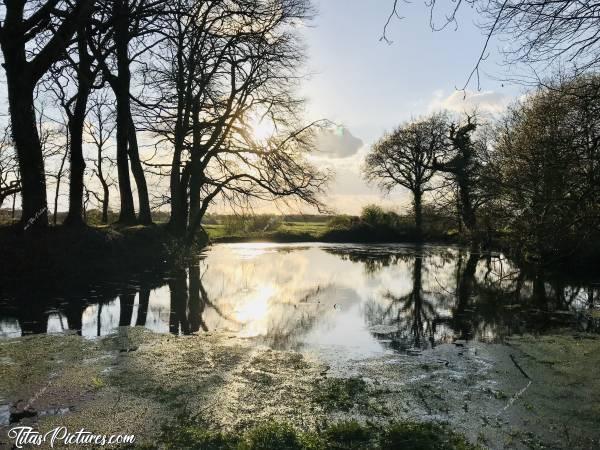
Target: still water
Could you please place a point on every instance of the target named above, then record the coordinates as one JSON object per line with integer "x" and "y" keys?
{"x": 352, "y": 300}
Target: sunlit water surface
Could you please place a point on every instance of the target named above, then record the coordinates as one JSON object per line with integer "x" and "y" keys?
{"x": 349, "y": 301}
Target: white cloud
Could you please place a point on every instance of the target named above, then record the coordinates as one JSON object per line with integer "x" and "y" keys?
{"x": 337, "y": 142}
{"x": 486, "y": 102}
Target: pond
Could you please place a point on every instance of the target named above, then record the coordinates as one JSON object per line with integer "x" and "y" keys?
{"x": 342, "y": 301}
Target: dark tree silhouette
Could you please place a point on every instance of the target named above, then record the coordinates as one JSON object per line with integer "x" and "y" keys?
{"x": 462, "y": 164}
{"x": 71, "y": 81}
{"x": 100, "y": 128}
{"x": 48, "y": 26}
{"x": 9, "y": 170}
{"x": 405, "y": 157}
{"x": 546, "y": 161}
{"x": 124, "y": 35}
{"x": 211, "y": 81}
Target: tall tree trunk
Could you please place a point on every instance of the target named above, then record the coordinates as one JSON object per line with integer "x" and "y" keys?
{"x": 144, "y": 215}
{"x": 195, "y": 175}
{"x": 467, "y": 211}
{"x": 27, "y": 142}
{"x": 179, "y": 204}
{"x": 58, "y": 181}
{"x": 14, "y": 201}
{"x": 22, "y": 74}
{"x": 459, "y": 219}
{"x": 105, "y": 190}
{"x": 178, "y": 180}
{"x": 120, "y": 87}
{"x": 418, "y": 211}
{"x": 127, "y": 146}
{"x": 127, "y": 214}
{"x": 75, "y": 215}
{"x": 178, "y": 219}
{"x": 105, "y": 199}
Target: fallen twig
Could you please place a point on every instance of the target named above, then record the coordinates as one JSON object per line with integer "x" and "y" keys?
{"x": 519, "y": 367}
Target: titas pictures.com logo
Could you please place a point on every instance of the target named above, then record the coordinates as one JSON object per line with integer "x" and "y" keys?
{"x": 61, "y": 436}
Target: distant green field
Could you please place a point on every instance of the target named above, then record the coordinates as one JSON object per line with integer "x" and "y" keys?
{"x": 291, "y": 229}
{"x": 315, "y": 228}
{"x": 215, "y": 231}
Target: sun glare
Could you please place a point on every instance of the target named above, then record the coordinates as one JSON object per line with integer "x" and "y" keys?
{"x": 263, "y": 129}
{"x": 254, "y": 311}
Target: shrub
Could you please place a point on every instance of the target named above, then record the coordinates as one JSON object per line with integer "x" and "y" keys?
{"x": 250, "y": 224}
{"x": 421, "y": 436}
{"x": 270, "y": 436}
{"x": 349, "y": 435}
{"x": 340, "y": 222}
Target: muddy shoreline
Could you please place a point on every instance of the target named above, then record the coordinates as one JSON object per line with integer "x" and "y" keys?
{"x": 138, "y": 381}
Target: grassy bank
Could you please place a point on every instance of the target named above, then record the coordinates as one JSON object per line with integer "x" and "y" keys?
{"x": 342, "y": 435}
{"x": 284, "y": 232}
{"x": 336, "y": 229}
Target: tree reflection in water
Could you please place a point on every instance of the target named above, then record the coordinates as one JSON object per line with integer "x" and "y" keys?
{"x": 413, "y": 314}
{"x": 401, "y": 297}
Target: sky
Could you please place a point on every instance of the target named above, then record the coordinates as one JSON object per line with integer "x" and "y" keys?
{"x": 368, "y": 86}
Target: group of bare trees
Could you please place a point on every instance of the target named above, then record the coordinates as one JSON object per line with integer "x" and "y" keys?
{"x": 189, "y": 78}
{"x": 530, "y": 177}
{"x": 431, "y": 154}
{"x": 217, "y": 70}
{"x": 545, "y": 166}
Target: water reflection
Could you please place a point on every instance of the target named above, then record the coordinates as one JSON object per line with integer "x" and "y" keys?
{"x": 360, "y": 300}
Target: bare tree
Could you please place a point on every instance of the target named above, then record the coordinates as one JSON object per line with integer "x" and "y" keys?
{"x": 71, "y": 82}
{"x": 125, "y": 35}
{"x": 405, "y": 157}
{"x": 462, "y": 163}
{"x": 10, "y": 184}
{"x": 100, "y": 129}
{"x": 223, "y": 64}
{"x": 54, "y": 141}
{"x": 48, "y": 26}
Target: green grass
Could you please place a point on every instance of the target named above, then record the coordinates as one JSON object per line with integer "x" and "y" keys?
{"x": 350, "y": 435}
{"x": 216, "y": 231}
{"x": 342, "y": 393}
{"x": 314, "y": 228}
{"x": 284, "y": 231}
{"x": 335, "y": 229}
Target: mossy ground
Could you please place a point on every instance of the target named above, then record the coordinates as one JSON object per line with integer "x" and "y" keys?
{"x": 350, "y": 435}
{"x": 214, "y": 390}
